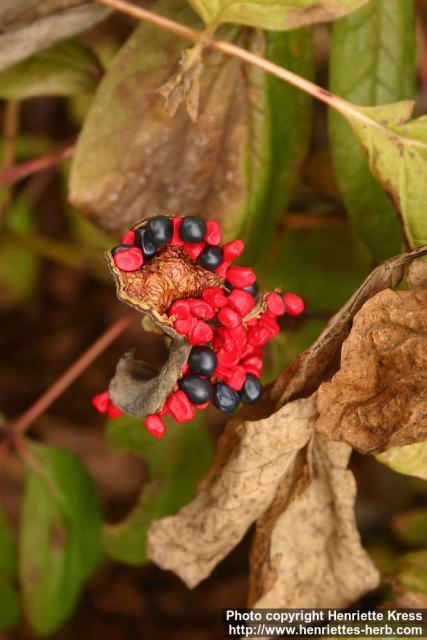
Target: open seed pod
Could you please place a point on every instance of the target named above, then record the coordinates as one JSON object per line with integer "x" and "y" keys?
{"x": 175, "y": 272}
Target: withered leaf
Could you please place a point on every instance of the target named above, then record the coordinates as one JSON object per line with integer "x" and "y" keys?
{"x": 410, "y": 460}
{"x": 139, "y": 391}
{"x": 306, "y": 551}
{"x": 378, "y": 398}
{"x": 321, "y": 360}
{"x": 252, "y": 459}
{"x": 29, "y": 26}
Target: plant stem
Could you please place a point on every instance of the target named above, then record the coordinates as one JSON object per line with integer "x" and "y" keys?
{"x": 12, "y": 174}
{"x": 72, "y": 373}
{"x": 334, "y": 101}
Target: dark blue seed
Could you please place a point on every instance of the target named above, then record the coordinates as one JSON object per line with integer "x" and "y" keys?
{"x": 120, "y": 247}
{"x": 160, "y": 230}
{"x": 253, "y": 289}
{"x": 225, "y": 398}
{"x": 197, "y": 390}
{"x": 203, "y": 361}
{"x": 211, "y": 257}
{"x": 251, "y": 391}
{"x": 142, "y": 240}
{"x": 193, "y": 229}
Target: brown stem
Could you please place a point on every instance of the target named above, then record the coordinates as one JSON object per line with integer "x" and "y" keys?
{"x": 12, "y": 174}
{"x": 334, "y": 101}
{"x": 10, "y": 132}
{"x": 72, "y": 373}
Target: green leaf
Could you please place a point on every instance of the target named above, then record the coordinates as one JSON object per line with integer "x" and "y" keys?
{"x": 397, "y": 154}
{"x": 175, "y": 464}
{"x": 280, "y": 135}
{"x": 10, "y": 607}
{"x": 411, "y": 527}
{"x": 9, "y": 601}
{"x": 18, "y": 266}
{"x": 410, "y": 460}
{"x": 59, "y": 537}
{"x": 234, "y": 164}
{"x": 372, "y": 63}
{"x": 68, "y": 68}
{"x": 273, "y": 14}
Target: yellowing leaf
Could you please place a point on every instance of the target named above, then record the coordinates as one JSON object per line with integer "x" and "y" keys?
{"x": 273, "y": 14}
{"x": 397, "y": 156}
{"x": 410, "y": 460}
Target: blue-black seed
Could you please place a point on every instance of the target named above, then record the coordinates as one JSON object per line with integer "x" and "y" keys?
{"x": 160, "y": 230}
{"x": 197, "y": 390}
{"x": 203, "y": 361}
{"x": 225, "y": 398}
{"x": 251, "y": 391}
{"x": 143, "y": 241}
{"x": 193, "y": 229}
{"x": 211, "y": 257}
{"x": 121, "y": 247}
{"x": 253, "y": 289}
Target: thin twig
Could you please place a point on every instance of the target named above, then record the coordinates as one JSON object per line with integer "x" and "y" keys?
{"x": 72, "y": 373}
{"x": 334, "y": 101}
{"x": 13, "y": 173}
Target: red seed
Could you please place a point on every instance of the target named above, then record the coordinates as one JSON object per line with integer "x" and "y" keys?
{"x": 201, "y": 309}
{"x": 228, "y": 358}
{"x": 154, "y": 425}
{"x": 185, "y": 369}
{"x": 233, "y": 249}
{"x": 270, "y": 323}
{"x": 222, "y": 270}
{"x": 223, "y": 339}
{"x": 275, "y": 303}
{"x": 200, "y": 334}
{"x": 113, "y": 411}
{"x": 176, "y": 238}
{"x": 241, "y": 276}
{"x": 229, "y": 318}
{"x": 248, "y": 350}
{"x": 238, "y": 335}
{"x": 254, "y": 362}
{"x": 237, "y": 378}
{"x": 165, "y": 411}
{"x": 241, "y": 301}
{"x": 223, "y": 373}
{"x": 181, "y": 309}
{"x": 129, "y": 237}
{"x": 185, "y": 325}
{"x": 203, "y": 406}
{"x": 129, "y": 259}
{"x": 194, "y": 250}
{"x": 101, "y": 401}
{"x": 215, "y": 296}
{"x": 213, "y": 232}
{"x": 259, "y": 335}
{"x": 253, "y": 370}
{"x": 294, "y": 304}
{"x": 180, "y": 407}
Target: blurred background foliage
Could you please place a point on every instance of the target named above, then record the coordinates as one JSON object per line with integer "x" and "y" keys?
{"x": 81, "y": 494}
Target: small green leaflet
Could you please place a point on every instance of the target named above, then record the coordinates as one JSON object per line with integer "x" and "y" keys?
{"x": 372, "y": 63}
{"x": 67, "y": 68}
{"x": 176, "y": 463}
{"x": 279, "y": 15}
{"x": 410, "y": 460}
{"x": 9, "y": 601}
{"x": 60, "y": 536}
{"x": 397, "y": 155}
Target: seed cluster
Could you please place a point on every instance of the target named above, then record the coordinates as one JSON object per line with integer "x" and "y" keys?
{"x": 227, "y": 325}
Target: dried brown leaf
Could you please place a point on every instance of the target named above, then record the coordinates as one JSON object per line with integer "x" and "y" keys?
{"x": 416, "y": 276}
{"x": 29, "y": 26}
{"x": 378, "y": 398}
{"x": 321, "y": 360}
{"x": 251, "y": 461}
{"x": 307, "y": 551}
